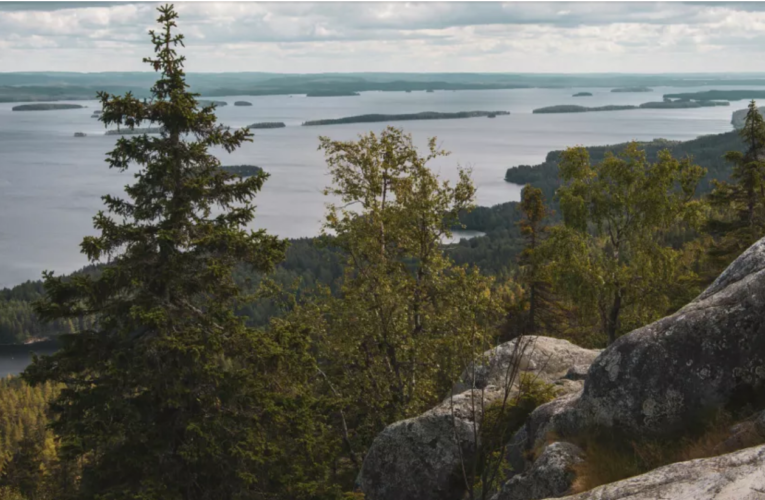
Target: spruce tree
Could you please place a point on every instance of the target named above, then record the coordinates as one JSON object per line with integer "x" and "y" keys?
{"x": 167, "y": 395}
{"x": 741, "y": 204}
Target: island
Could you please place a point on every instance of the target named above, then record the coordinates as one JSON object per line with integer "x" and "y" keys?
{"x": 45, "y": 106}
{"x": 242, "y": 103}
{"x": 426, "y": 115}
{"x": 332, "y": 93}
{"x": 679, "y": 104}
{"x": 267, "y": 125}
{"x": 218, "y": 104}
{"x": 242, "y": 170}
{"x": 632, "y": 89}
{"x": 80, "y": 134}
{"x": 430, "y": 91}
{"x": 135, "y": 131}
{"x": 573, "y": 108}
{"x": 724, "y": 95}
{"x": 582, "y": 94}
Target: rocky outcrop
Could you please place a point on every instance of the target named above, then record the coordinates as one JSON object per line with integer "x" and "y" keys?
{"x": 421, "y": 458}
{"x": 657, "y": 380}
{"x": 547, "y": 359}
{"x": 738, "y": 118}
{"x": 736, "y": 476}
{"x": 551, "y": 475}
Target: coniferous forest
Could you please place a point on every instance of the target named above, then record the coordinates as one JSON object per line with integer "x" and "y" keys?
{"x": 208, "y": 361}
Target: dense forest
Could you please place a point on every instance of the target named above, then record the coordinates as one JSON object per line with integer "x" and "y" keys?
{"x": 209, "y": 361}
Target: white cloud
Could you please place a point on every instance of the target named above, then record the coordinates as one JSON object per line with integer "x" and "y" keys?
{"x": 411, "y": 36}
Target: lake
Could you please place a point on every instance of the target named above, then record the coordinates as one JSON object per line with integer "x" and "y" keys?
{"x": 14, "y": 358}
{"x": 51, "y": 182}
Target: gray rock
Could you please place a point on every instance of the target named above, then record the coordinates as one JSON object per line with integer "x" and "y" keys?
{"x": 547, "y": 358}
{"x": 656, "y": 380}
{"x": 736, "y": 476}
{"x": 551, "y": 475}
{"x": 578, "y": 372}
{"x": 421, "y": 458}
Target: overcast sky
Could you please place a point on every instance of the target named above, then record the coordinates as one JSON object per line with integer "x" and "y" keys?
{"x": 408, "y": 37}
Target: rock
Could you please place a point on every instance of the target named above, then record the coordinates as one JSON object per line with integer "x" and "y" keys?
{"x": 419, "y": 458}
{"x": 656, "y": 380}
{"x": 578, "y": 372}
{"x": 550, "y": 476}
{"x": 80, "y": 134}
{"x": 736, "y": 476}
{"x": 547, "y": 358}
{"x": 759, "y": 423}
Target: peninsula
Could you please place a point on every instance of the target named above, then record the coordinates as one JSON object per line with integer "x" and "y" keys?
{"x": 426, "y": 115}
{"x": 45, "y": 106}
{"x": 725, "y": 95}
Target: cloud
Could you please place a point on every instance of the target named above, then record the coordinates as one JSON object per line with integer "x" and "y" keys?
{"x": 406, "y": 36}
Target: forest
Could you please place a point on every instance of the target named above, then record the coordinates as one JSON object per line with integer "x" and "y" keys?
{"x": 209, "y": 361}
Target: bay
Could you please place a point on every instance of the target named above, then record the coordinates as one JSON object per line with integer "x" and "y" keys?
{"x": 51, "y": 182}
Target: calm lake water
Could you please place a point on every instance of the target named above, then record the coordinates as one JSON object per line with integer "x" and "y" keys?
{"x": 14, "y": 358}
{"x": 51, "y": 182}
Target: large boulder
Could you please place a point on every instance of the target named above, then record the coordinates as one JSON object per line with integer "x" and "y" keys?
{"x": 551, "y": 475}
{"x": 547, "y": 359}
{"x": 736, "y": 476}
{"x": 422, "y": 458}
{"x": 659, "y": 379}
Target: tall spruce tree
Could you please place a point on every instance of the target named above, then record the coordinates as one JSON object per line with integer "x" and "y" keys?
{"x": 542, "y": 312}
{"x": 741, "y": 204}
{"x": 168, "y": 395}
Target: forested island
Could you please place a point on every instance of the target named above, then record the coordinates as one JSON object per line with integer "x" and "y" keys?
{"x": 135, "y": 131}
{"x": 45, "y": 106}
{"x": 667, "y": 104}
{"x": 680, "y": 104}
{"x": 242, "y": 103}
{"x": 242, "y": 170}
{"x": 573, "y": 108}
{"x": 426, "y": 115}
{"x": 332, "y": 93}
{"x": 267, "y": 125}
{"x": 632, "y": 89}
{"x": 582, "y": 94}
{"x": 724, "y": 95}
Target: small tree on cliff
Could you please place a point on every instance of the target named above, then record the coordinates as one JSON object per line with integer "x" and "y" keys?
{"x": 741, "y": 204}
{"x": 168, "y": 395}
{"x": 608, "y": 255}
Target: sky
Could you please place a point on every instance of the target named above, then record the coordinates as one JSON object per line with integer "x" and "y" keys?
{"x": 314, "y": 37}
